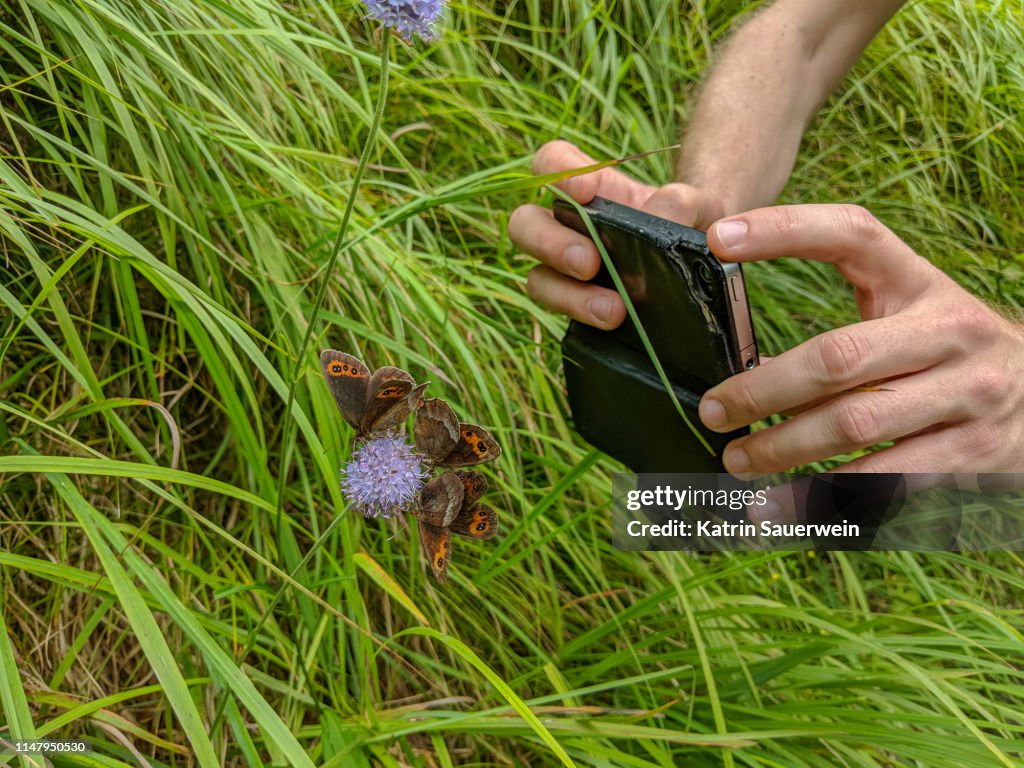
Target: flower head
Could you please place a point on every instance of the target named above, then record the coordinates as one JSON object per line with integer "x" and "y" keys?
{"x": 383, "y": 475}
{"x": 408, "y": 17}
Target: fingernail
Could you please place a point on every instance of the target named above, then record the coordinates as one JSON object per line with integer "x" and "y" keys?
{"x": 600, "y": 308}
{"x": 731, "y": 233}
{"x": 768, "y": 512}
{"x": 712, "y": 413}
{"x": 736, "y": 460}
{"x": 576, "y": 259}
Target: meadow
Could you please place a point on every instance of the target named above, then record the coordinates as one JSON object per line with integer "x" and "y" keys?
{"x": 181, "y": 582}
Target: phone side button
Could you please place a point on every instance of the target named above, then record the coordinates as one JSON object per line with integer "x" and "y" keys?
{"x": 734, "y": 286}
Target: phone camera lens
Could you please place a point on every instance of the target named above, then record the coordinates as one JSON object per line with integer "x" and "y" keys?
{"x": 705, "y": 273}
{"x": 750, "y": 363}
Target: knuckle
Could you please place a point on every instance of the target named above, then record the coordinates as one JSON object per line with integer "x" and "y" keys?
{"x": 856, "y": 425}
{"x": 842, "y": 356}
{"x": 788, "y": 220}
{"x": 973, "y": 323}
{"x": 979, "y": 439}
{"x": 681, "y": 200}
{"x": 859, "y": 224}
{"x": 989, "y": 387}
{"x": 681, "y": 194}
{"x": 745, "y": 403}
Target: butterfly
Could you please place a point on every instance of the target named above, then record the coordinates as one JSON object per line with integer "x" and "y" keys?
{"x": 445, "y": 442}
{"x": 449, "y": 503}
{"x": 371, "y": 403}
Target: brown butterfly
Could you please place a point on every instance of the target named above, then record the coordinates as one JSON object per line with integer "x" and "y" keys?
{"x": 445, "y": 442}
{"x": 450, "y": 504}
{"x": 370, "y": 403}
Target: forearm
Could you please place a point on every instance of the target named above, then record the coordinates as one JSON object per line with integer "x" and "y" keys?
{"x": 769, "y": 82}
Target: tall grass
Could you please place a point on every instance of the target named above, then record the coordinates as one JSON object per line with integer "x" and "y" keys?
{"x": 173, "y": 176}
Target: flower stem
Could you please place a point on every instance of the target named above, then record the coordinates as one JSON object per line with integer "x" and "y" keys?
{"x": 287, "y": 428}
{"x": 336, "y": 251}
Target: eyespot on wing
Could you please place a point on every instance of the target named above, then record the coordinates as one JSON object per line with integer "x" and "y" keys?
{"x": 387, "y": 399}
{"x": 475, "y": 446}
{"x": 437, "y": 547}
{"x": 476, "y": 522}
{"x": 347, "y": 378}
{"x": 474, "y": 486}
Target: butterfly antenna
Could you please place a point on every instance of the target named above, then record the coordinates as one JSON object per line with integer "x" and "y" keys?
{"x": 404, "y": 524}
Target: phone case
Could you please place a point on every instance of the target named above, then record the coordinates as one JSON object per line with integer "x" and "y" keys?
{"x": 680, "y": 293}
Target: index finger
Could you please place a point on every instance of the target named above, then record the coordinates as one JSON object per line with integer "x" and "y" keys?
{"x": 556, "y": 156}
{"x": 864, "y": 250}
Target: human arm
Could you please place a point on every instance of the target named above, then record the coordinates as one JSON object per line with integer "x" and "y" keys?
{"x": 737, "y": 152}
{"x": 771, "y": 79}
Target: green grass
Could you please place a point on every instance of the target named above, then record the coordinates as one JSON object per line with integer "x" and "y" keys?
{"x": 173, "y": 178}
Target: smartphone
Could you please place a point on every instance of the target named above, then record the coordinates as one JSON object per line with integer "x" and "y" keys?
{"x": 695, "y": 312}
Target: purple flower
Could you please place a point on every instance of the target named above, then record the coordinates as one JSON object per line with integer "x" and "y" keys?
{"x": 408, "y": 17}
{"x": 382, "y": 477}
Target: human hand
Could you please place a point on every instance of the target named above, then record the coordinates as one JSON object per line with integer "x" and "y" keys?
{"x": 953, "y": 369}
{"x": 569, "y": 258}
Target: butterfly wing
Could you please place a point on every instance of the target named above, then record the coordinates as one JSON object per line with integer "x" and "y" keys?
{"x": 396, "y": 415}
{"x": 436, "y": 431}
{"x": 347, "y": 377}
{"x": 388, "y": 401}
{"x": 474, "y": 486}
{"x": 475, "y": 446}
{"x": 440, "y": 500}
{"x": 437, "y": 546}
{"x": 476, "y": 522}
